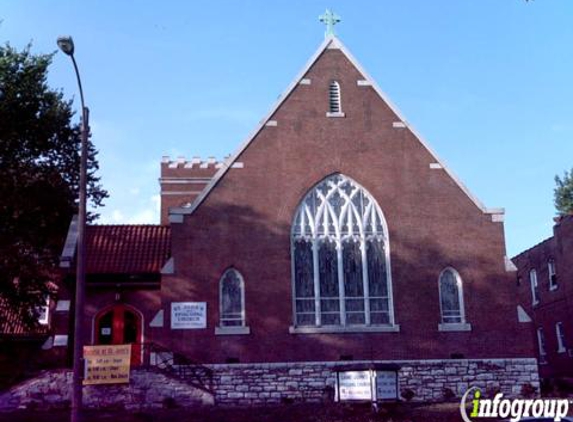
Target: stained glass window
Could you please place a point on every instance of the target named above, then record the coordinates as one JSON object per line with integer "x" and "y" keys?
{"x": 232, "y": 297}
{"x": 451, "y": 297}
{"x": 341, "y": 270}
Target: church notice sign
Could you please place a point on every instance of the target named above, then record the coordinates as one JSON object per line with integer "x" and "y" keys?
{"x": 386, "y": 385}
{"x": 354, "y": 385}
{"x": 367, "y": 385}
{"x": 107, "y": 364}
{"x": 188, "y": 315}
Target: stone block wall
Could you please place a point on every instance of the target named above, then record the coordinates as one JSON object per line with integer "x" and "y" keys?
{"x": 275, "y": 383}
{"x": 146, "y": 390}
{"x": 428, "y": 379}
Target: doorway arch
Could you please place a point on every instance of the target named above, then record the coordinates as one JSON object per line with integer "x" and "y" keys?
{"x": 120, "y": 324}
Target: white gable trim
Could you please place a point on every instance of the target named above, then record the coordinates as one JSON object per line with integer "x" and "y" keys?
{"x": 509, "y": 265}
{"x": 329, "y": 43}
{"x": 69, "y": 250}
{"x": 169, "y": 267}
{"x": 157, "y": 321}
{"x": 522, "y": 316}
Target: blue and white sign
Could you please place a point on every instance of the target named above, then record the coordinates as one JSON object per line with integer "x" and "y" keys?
{"x": 188, "y": 315}
{"x": 386, "y": 385}
{"x": 367, "y": 385}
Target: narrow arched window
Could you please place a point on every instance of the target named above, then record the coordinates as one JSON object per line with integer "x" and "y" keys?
{"x": 341, "y": 260}
{"x": 451, "y": 297}
{"x": 534, "y": 287}
{"x": 334, "y": 100}
{"x": 232, "y": 299}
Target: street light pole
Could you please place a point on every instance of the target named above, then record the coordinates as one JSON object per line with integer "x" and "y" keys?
{"x": 66, "y": 44}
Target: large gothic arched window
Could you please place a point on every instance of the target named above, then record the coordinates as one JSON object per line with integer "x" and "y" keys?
{"x": 341, "y": 268}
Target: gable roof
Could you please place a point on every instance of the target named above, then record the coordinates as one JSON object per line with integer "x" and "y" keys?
{"x": 331, "y": 42}
{"x": 122, "y": 249}
{"x": 133, "y": 249}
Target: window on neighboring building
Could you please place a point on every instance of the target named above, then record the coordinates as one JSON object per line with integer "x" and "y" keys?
{"x": 541, "y": 345}
{"x": 534, "y": 287}
{"x": 334, "y": 101}
{"x": 451, "y": 297}
{"x": 561, "y": 345}
{"x": 552, "y": 275}
{"x": 232, "y": 299}
{"x": 341, "y": 262}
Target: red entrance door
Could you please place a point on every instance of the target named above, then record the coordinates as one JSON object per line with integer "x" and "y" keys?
{"x": 120, "y": 324}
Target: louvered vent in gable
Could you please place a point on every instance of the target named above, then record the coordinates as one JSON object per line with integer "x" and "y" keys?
{"x": 334, "y": 97}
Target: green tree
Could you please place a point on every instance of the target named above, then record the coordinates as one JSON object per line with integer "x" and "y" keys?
{"x": 39, "y": 178}
{"x": 563, "y": 193}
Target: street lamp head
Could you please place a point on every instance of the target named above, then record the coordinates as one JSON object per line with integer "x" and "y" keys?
{"x": 66, "y": 44}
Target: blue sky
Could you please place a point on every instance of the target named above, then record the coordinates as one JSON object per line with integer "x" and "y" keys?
{"x": 488, "y": 83}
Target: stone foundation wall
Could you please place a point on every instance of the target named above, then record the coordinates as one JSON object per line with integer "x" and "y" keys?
{"x": 275, "y": 383}
{"x": 146, "y": 390}
{"x": 429, "y": 380}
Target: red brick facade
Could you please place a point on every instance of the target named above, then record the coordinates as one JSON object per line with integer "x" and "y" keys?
{"x": 244, "y": 221}
{"x": 555, "y": 298}
{"x": 182, "y": 181}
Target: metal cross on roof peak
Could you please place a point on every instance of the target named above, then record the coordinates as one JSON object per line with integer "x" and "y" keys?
{"x": 329, "y": 19}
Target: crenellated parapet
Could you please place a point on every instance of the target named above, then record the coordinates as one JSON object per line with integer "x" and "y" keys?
{"x": 182, "y": 180}
{"x": 197, "y": 163}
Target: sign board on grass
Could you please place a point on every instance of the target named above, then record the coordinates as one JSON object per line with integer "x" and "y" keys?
{"x": 107, "y": 364}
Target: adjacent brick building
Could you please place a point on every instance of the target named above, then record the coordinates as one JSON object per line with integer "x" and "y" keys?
{"x": 333, "y": 234}
{"x": 545, "y": 285}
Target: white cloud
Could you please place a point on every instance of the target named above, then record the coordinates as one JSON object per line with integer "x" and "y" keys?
{"x": 117, "y": 216}
{"x": 156, "y": 199}
{"x": 240, "y": 115}
{"x": 143, "y": 217}
{"x": 149, "y": 214}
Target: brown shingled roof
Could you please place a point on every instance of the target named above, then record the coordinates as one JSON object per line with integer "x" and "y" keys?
{"x": 131, "y": 249}
{"x": 12, "y": 323}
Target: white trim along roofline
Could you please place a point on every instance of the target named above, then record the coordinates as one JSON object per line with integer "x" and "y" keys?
{"x": 331, "y": 42}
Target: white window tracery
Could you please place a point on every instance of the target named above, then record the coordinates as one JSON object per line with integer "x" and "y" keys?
{"x": 341, "y": 264}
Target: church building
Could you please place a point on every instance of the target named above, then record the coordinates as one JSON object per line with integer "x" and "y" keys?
{"x": 333, "y": 237}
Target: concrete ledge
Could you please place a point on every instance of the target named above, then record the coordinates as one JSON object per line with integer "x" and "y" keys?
{"x": 455, "y": 327}
{"x": 339, "y": 114}
{"x": 232, "y": 331}
{"x": 345, "y": 330}
{"x": 176, "y": 218}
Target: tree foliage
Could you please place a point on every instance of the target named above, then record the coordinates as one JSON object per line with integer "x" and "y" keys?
{"x": 39, "y": 177}
{"x": 563, "y": 193}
